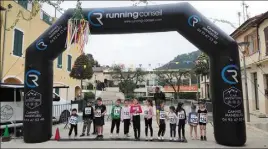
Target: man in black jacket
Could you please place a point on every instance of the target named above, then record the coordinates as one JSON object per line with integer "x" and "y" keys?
{"x": 88, "y": 116}
{"x": 159, "y": 97}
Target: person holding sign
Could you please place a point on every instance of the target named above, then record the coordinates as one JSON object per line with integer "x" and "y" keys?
{"x": 116, "y": 115}
{"x": 181, "y": 122}
{"x": 100, "y": 111}
{"x": 88, "y": 115}
{"x": 193, "y": 121}
{"x": 135, "y": 111}
{"x": 148, "y": 118}
{"x": 126, "y": 118}
{"x": 162, "y": 121}
{"x": 202, "y": 112}
{"x": 172, "y": 122}
{"x": 73, "y": 122}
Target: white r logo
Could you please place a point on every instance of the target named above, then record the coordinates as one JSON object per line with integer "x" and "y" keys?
{"x": 99, "y": 18}
{"x": 95, "y": 16}
{"x": 234, "y": 75}
{"x": 35, "y": 79}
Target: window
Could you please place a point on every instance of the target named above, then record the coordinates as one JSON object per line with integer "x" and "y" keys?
{"x": 47, "y": 18}
{"x": 69, "y": 65}
{"x": 23, "y": 3}
{"x": 59, "y": 65}
{"x": 18, "y": 41}
{"x": 266, "y": 39}
{"x": 57, "y": 91}
{"x": 7, "y": 94}
{"x": 253, "y": 43}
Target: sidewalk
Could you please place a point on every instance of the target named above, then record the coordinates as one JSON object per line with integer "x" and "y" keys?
{"x": 255, "y": 139}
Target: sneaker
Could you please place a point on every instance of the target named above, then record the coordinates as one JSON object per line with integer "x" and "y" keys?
{"x": 75, "y": 136}
{"x": 151, "y": 139}
{"x": 179, "y": 139}
{"x": 94, "y": 133}
{"x": 146, "y": 138}
{"x": 82, "y": 135}
{"x": 127, "y": 135}
{"x": 97, "y": 137}
{"x": 88, "y": 134}
{"x": 175, "y": 139}
{"x": 101, "y": 136}
{"x": 162, "y": 138}
{"x": 205, "y": 138}
{"x": 170, "y": 139}
{"x": 158, "y": 138}
{"x": 117, "y": 135}
{"x": 111, "y": 135}
{"x": 201, "y": 138}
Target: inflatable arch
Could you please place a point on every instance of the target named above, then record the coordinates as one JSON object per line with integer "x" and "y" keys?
{"x": 225, "y": 77}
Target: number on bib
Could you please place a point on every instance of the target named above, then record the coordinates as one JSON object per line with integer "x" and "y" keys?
{"x": 194, "y": 119}
{"x": 146, "y": 112}
{"x": 116, "y": 111}
{"x": 87, "y": 111}
{"x": 162, "y": 115}
{"x": 126, "y": 113}
{"x": 172, "y": 119}
{"x": 203, "y": 118}
{"x": 73, "y": 120}
{"x": 181, "y": 116}
{"x": 98, "y": 113}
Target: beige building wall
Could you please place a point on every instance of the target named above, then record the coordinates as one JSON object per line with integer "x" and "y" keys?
{"x": 13, "y": 70}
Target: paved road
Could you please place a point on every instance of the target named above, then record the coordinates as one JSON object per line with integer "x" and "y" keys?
{"x": 255, "y": 139}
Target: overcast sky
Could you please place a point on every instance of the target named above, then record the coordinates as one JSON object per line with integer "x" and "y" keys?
{"x": 156, "y": 48}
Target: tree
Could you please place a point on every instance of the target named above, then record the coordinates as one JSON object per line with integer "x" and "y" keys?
{"x": 172, "y": 78}
{"x": 202, "y": 68}
{"x": 128, "y": 79}
{"x": 89, "y": 96}
{"x": 93, "y": 62}
{"x": 82, "y": 68}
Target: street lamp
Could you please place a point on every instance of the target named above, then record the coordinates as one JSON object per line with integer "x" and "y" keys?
{"x": 245, "y": 45}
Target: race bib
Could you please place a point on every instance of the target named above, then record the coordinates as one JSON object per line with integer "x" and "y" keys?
{"x": 181, "y": 116}
{"x": 203, "y": 118}
{"x": 73, "y": 120}
{"x": 194, "y": 119}
{"x": 172, "y": 119}
{"x": 146, "y": 112}
{"x": 117, "y": 111}
{"x": 126, "y": 113}
{"x": 162, "y": 115}
{"x": 87, "y": 111}
{"x": 98, "y": 113}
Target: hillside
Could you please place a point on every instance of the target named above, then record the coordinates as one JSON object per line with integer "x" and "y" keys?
{"x": 186, "y": 61}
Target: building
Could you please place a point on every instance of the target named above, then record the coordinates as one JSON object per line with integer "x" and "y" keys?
{"x": 15, "y": 40}
{"x": 254, "y": 31}
{"x": 145, "y": 88}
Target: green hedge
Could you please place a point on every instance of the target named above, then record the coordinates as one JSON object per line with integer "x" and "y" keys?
{"x": 187, "y": 95}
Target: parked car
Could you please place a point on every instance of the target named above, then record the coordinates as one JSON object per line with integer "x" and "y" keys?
{"x": 11, "y": 100}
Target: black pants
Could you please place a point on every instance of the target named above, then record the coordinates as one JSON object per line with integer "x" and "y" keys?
{"x": 136, "y": 126}
{"x": 94, "y": 126}
{"x": 162, "y": 129}
{"x": 172, "y": 130}
{"x": 181, "y": 129}
{"x": 71, "y": 130}
{"x": 126, "y": 126}
{"x": 115, "y": 122}
{"x": 148, "y": 123}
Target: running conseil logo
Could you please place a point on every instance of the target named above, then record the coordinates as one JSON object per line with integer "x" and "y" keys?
{"x": 194, "y": 19}
{"x": 40, "y": 45}
{"x": 95, "y": 17}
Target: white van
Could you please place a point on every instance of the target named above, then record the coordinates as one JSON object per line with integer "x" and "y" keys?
{"x": 11, "y": 100}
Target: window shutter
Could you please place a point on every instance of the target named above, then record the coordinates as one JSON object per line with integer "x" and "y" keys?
{"x": 18, "y": 39}
{"x": 30, "y": 5}
{"x": 59, "y": 61}
{"x": 266, "y": 39}
{"x": 69, "y": 62}
{"x": 246, "y": 48}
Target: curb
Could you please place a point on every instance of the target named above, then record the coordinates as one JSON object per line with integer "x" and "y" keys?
{"x": 255, "y": 128}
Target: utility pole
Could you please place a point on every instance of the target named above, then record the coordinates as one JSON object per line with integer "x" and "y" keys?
{"x": 247, "y": 16}
{"x": 243, "y": 5}
{"x": 239, "y": 15}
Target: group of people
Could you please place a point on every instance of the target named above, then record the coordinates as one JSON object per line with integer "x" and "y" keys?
{"x": 131, "y": 113}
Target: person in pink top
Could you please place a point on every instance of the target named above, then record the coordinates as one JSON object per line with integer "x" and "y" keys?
{"x": 135, "y": 111}
{"x": 148, "y": 118}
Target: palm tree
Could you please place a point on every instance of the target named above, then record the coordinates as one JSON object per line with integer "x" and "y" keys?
{"x": 202, "y": 68}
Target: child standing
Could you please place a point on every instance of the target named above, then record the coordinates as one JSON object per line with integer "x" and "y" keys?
{"x": 181, "y": 122}
{"x": 193, "y": 121}
{"x": 126, "y": 118}
{"x": 162, "y": 121}
{"x": 73, "y": 122}
{"x": 202, "y": 115}
{"x": 172, "y": 122}
{"x": 116, "y": 115}
{"x": 100, "y": 111}
{"x": 148, "y": 118}
{"x": 135, "y": 111}
{"x": 88, "y": 115}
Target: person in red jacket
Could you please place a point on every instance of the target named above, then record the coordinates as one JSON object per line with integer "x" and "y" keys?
{"x": 135, "y": 111}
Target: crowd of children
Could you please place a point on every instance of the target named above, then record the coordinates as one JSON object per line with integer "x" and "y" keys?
{"x": 131, "y": 113}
